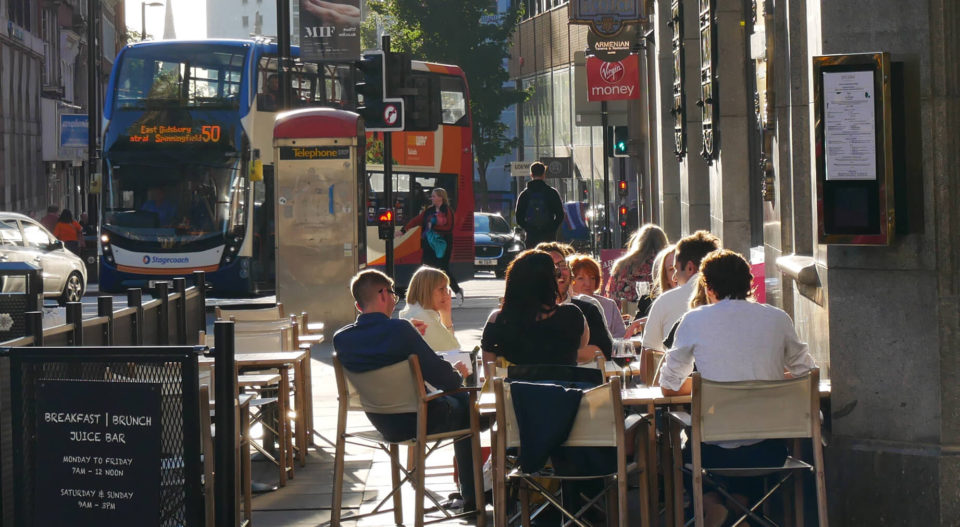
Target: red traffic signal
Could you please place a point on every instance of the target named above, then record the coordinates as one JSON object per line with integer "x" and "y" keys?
{"x": 623, "y": 216}
{"x": 622, "y": 187}
{"x": 385, "y": 224}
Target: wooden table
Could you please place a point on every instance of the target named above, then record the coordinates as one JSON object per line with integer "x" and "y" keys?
{"x": 283, "y": 362}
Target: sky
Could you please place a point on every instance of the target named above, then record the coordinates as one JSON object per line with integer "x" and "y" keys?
{"x": 189, "y": 17}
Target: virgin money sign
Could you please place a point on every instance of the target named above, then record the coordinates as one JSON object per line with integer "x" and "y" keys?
{"x": 613, "y": 81}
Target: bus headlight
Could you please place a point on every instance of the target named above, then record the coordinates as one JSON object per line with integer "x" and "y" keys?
{"x": 105, "y": 238}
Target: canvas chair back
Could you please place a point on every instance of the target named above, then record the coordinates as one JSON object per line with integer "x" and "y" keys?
{"x": 280, "y": 339}
{"x": 755, "y": 409}
{"x": 595, "y": 425}
{"x": 247, "y": 315}
{"x": 389, "y": 390}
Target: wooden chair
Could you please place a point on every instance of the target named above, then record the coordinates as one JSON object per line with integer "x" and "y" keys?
{"x": 599, "y": 423}
{"x": 650, "y": 363}
{"x": 783, "y": 409}
{"x": 206, "y": 446}
{"x": 396, "y": 389}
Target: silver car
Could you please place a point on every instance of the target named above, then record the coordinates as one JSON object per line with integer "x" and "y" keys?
{"x": 23, "y": 239}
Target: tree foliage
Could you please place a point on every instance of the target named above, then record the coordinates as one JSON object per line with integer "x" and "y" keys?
{"x": 472, "y": 35}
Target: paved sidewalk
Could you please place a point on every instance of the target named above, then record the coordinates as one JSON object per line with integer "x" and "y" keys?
{"x": 305, "y": 501}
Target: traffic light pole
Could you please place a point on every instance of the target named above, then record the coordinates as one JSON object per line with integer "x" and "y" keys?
{"x": 606, "y": 175}
{"x": 388, "y": 174}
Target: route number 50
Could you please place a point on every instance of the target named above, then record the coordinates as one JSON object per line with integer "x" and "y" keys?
{"x": 210, "y": 133}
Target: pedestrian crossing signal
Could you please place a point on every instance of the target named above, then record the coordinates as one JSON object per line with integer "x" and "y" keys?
{"x": 385, "y": 224}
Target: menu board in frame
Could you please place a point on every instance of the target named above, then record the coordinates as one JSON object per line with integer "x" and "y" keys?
{"x": 854, "y": 149}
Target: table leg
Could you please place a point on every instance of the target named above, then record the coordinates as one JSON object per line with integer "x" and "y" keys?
{"x": 303, "y": 412}
{"x": 283, "y": 399}
{"x": 652, "y": 465}
{"x": 245, "y": 468}
{"x": 675, "y": 465}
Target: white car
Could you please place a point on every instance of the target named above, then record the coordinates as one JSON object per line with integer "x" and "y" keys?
{"x": 23, "y": 239}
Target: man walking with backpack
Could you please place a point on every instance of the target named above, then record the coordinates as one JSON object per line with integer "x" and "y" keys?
{"x": 539, "y": 208}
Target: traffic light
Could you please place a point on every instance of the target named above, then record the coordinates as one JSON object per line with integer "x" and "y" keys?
{"x": 623, "y": 217}
{"x": 622, "y": 188}
{"x": 620, "y": 135}
{"x": 370, "y": 85}
{"x": 385, "y": 224}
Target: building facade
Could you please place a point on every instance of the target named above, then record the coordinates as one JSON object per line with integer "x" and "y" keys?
{"x": 44, "y": 72}
{"x": 727, "y": 134}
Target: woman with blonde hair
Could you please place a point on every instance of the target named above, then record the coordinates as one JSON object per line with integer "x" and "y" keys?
{"x": 429, "y": 300}
{"x": 663, "y": 276}
{"x": 637, "y": 264}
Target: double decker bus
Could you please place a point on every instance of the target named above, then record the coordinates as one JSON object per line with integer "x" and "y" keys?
{"x": 187, "y": 126}
{"x": 423, "y": 161}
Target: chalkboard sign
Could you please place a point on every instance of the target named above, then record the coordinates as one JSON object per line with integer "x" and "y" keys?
{"x": 98, "y": 453}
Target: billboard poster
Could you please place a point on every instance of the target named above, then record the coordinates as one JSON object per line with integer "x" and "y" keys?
{"x": 329, "y": 30}
{"x": 611, "y": 81}
{"x": 73, "y": 130}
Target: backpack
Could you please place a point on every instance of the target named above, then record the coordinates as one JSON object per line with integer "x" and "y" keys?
{"x": 538, "y": 216}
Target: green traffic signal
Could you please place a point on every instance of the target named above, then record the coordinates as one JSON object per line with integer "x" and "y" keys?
{"x": 620, "y": 137}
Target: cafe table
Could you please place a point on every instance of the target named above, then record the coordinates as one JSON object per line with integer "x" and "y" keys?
{"x": 283, "y": 362}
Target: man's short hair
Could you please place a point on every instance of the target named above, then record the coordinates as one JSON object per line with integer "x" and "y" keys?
{"x": 727, "y": 274}
{"x": 556, "y": 247}
{"x": 53, "y": 208}
{"x": 537, "y": 169}
{"x": 694, "y": 247}
{"x": 366, "y": 285}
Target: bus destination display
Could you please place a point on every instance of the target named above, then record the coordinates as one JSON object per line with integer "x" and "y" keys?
{"x": 146, "y": 134}
{"x": 98, "y": 454}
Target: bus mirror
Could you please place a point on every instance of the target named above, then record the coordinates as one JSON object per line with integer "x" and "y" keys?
{"x": 256, "y": 170}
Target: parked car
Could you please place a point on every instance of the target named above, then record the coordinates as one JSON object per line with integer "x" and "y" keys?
{"x": 495, "y": 243}
{"x": 25, "y": 240}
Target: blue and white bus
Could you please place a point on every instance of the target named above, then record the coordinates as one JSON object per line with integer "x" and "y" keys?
{"x": 186, "y": 127}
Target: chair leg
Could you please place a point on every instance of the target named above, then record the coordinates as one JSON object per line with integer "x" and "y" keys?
{"x": 419, "y": 477}
{"x": 499, "y": 483}
{"x": 477, "y": 469}
{"x": 524, "y": 499}
{"x": 395, "y": 478}
{"x": 338, "y": 461}
{"x": 643, "y": 479}
{"x": 622, "y": 513}
{"x": 697, "y": 477}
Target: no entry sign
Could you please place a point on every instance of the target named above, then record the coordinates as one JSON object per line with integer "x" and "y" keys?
{"x": 613, "y": 81}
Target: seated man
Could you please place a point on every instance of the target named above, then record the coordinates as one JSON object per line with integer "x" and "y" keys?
{"x": 375, "y": 340}
{"x": 733, "y": 339}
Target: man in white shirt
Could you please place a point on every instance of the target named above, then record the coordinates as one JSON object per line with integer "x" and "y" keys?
{"x": 670, "y": 306}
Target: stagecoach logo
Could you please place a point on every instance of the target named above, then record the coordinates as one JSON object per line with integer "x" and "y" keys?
{"x": 611, "y": 72}
{"x": 165, "y": 260}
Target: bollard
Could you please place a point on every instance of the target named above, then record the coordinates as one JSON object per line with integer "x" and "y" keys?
{"x": 200, "y": 282}
{"x": 35, "y": 326}
{"x": 135, "y": 300}
{"x": 163, "y": 317}
{"x": 105, "y": 309}
{"x": 225, "y": 390}
{"x": 75, "y": 317}
{"x": 180, "y": 309}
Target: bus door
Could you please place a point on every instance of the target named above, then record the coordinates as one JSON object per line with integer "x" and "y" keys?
{"x": 319, "y": 240}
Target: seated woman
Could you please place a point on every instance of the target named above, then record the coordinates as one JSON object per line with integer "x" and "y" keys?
{"x": 587, "y": 281}
{"x": 428, "y": 300}
{"x": 732, "y": 338}
{"x": 530, "y": 327}
{"x": 662, "y": 280}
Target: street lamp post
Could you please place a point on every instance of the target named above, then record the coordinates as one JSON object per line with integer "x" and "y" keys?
{"x": 143, "y": 17}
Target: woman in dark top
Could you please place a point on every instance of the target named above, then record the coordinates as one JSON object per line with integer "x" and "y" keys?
{"x": 530, "y": 328}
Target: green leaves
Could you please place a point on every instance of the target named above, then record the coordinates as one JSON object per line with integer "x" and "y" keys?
{"x": 470, "y": 34}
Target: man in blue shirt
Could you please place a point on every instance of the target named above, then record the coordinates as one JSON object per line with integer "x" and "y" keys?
{"x": 375, "y": 340}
